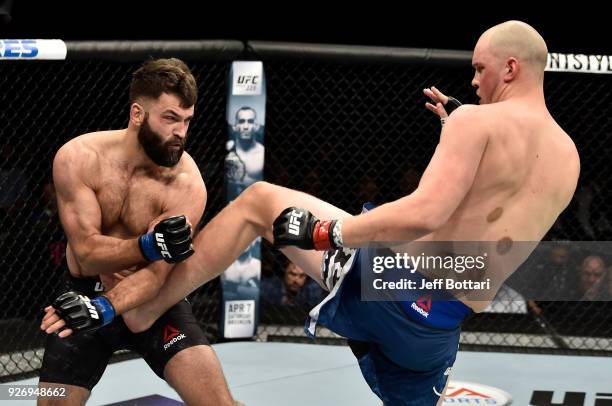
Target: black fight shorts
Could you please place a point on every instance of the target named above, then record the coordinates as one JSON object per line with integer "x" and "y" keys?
{"x": 81, "y": 359}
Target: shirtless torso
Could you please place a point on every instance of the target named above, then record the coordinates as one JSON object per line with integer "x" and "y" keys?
{"x": 107, "y": 198}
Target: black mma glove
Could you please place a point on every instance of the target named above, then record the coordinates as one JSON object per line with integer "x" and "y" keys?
{"x": 82, "y": 313}
{"x": 451, "y": 105}
{"x": 170, "y": 241}
{"x": 300, "y": 228}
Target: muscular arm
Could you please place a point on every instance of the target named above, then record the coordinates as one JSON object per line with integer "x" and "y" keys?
{"x": 81, "y": 215}
{"x": 187, "y": 276}
{"x": 444, "y": 185}
{"x": 188, "y": 198}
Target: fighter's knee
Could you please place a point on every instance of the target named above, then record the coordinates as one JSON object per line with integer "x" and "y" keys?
{"x": 199, "y": 354}
{"x": 257, "y": 191}
{"x": 200, "y": 360}
{"x": 257, "y": 198}
{"x": 136, "y": 323}
{"x": 68, "y": 395}
{"x": 255, "y": 204}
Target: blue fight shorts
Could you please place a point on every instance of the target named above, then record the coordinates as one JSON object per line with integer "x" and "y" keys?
{"x": 405, "y": 358}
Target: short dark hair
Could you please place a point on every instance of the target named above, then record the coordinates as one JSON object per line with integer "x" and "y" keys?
{"x": 245, "y": 108}
{"x": 159, "y": 76}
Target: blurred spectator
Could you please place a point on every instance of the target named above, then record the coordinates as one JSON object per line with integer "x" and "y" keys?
{"x": 549, "y": 279}
{"x": 548, "y": 274}
{"x": 556, "y": 271}
{"x": 294, "y": 289}
{"x": 592, "y": 283}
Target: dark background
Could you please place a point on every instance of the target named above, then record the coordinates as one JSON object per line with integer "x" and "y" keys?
{"x": 312, "y": 106}
{"x": 575, "y": 27}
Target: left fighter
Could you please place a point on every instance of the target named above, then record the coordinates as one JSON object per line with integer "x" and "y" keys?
{"x": 121, "y": 197}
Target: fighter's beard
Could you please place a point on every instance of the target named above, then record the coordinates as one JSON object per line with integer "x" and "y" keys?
{"x": 155, "y": 149}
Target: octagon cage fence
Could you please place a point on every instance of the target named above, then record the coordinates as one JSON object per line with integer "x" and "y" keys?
{"x": 344, "y": 123}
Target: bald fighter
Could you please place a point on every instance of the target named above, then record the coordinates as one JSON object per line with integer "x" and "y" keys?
{"x": 503, "y": 171}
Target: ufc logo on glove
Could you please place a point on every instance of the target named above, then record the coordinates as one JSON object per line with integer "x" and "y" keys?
{"x": 294, "y": 223}
{"x": 159, "y": 237}
{"x": 91, "y": 308}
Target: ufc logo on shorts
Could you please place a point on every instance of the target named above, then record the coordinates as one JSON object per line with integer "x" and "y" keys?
{"x": 159, "y": 237}
{"x": 91, "y": 308}
{"x": 294, "y": 223}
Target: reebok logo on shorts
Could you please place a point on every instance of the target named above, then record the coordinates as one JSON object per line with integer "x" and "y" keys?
{"x": 422, "y": 306}
{"x": 171, "y": 336}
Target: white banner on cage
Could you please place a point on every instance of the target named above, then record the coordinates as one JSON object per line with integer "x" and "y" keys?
{"x": 580, "y": 63}
{"x": 247, "y": 78}
{"x": 244, "y": 164}
{"x": 239, "y": 318}
{"x": 32, "y": 49}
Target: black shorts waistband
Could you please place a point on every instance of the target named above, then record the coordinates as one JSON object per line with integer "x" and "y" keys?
{"x": 88, "y": 286}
